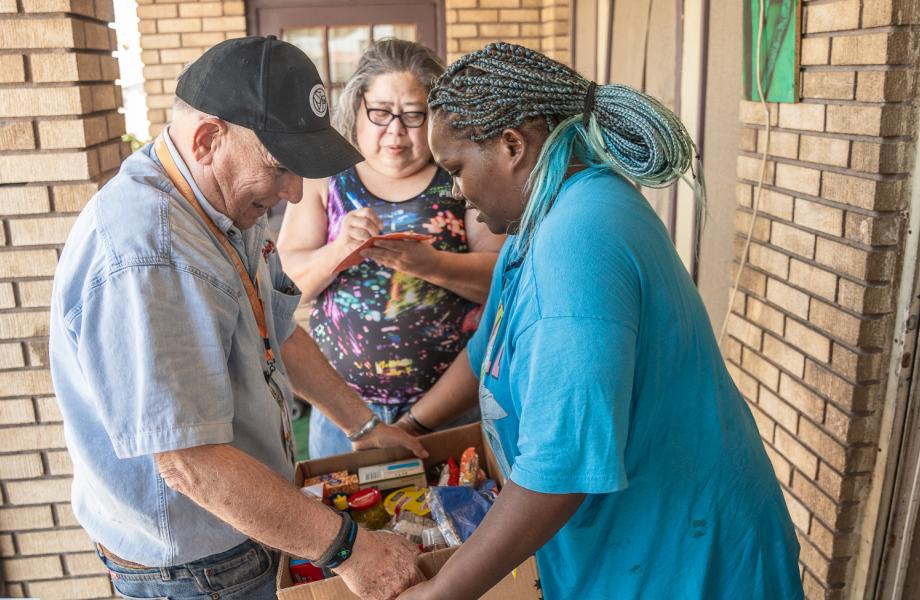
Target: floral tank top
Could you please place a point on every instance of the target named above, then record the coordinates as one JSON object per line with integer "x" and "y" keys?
{"x": 388, "y": 334}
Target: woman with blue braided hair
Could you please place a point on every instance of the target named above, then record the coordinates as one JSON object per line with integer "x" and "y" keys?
{"x": 633, "y": 466}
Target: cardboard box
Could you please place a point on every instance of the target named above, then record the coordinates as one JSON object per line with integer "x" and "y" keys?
{"x": 521, "y": 584}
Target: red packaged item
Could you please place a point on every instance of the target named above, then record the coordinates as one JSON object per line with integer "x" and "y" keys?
{"x": 303, "y": 571}
{"x": 454, "y": 478}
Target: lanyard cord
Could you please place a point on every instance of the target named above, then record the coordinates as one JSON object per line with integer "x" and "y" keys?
{"x": 255, "y": 301}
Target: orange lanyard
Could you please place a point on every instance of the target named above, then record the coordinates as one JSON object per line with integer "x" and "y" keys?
{"x": 252, "y": 292}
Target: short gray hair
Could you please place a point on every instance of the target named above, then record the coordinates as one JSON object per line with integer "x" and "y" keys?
{"x": 384, "y": 56}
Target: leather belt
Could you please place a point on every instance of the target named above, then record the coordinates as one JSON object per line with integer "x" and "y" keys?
{"x": 118, "y": 560}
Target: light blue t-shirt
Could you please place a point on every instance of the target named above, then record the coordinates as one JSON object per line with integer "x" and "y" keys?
{"x": 600, "y": 375}
{"x": 154, "y": 347}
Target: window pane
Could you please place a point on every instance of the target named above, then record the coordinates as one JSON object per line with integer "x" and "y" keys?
{"x": 310, "y": 40}
{"x": 346, "y": 44}
{"x": 403, "y": 32}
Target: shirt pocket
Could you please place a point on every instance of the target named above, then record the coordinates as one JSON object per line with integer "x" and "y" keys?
{"x": 283, "y": 307}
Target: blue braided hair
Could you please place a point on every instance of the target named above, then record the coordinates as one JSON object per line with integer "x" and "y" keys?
{"x": 632, "y": 134}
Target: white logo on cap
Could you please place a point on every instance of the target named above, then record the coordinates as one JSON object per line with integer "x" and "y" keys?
{"x": 318, "y": 100}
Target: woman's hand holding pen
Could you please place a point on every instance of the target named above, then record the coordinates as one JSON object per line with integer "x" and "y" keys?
{"x": 357, "y": 226}
{"x": 419, "y": 259}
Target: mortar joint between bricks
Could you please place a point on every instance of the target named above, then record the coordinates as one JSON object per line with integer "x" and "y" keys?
{"x": 80, "y": 17}
{"x": 853, "y": 137}
{"x": 855, "y": 69}
{"x": 907, "y": 27}
{"x": 827, "y": 202}
{"x": 829, "y": 168}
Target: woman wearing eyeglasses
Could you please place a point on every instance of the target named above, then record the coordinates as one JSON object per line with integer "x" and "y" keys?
{"x": 394, "y": 323}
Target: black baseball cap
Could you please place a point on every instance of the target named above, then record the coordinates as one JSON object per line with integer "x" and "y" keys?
{"x": 272, "y": 87}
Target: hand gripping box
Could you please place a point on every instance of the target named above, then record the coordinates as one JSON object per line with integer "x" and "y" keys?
{"x": 521, "y": 584}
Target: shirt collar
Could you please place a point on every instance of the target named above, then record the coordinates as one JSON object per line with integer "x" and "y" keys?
{"x": 223, "y": 222}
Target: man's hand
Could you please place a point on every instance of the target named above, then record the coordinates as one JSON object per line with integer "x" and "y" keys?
{"x": 419, "y": 259}
{"x": 381, "y": 566}
{"x": 387, "y": 436}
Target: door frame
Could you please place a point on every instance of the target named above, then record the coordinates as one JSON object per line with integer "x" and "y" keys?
{"x": 890, "y": 521}
{"x": 256, "y": 26}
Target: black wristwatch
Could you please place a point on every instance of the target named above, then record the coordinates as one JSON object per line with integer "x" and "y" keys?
{"x": 342, "y": 545}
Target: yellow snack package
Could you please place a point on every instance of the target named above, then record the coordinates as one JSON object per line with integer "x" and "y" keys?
{"x": 410, "y": 499}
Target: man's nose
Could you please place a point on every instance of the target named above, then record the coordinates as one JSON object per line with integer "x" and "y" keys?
{"x": 292, "y": 188}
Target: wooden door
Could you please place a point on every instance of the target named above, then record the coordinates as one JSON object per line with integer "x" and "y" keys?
{"x": 334, "y": 34}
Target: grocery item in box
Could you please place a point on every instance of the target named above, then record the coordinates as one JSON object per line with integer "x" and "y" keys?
{"x": 314, "y": 491}
{"x": 303, "y": 571}
{"x": 433, "y": 540}
{"x": 411, "y": 499}
{"x": 339, "y": 482}
{"x": 411, "y": 526}
{"x": 366, "y": 507}
{"x": 458, "y": 510}
{"x": 469, "y": 467}
{"x": 391, "y": 476}
{"x": 449, "y": 473}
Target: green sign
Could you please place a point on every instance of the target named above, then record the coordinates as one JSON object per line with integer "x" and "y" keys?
{"x": 778, "y": 37}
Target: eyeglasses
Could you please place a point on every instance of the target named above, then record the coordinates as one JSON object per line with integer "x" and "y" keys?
{"x": 379, "y": 116}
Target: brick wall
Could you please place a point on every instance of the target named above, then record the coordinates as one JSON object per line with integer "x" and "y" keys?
{"x": 539, "y": 24}
{"x": 59, "y": 141}
{"x": 174, "y": 33}
{"x": 811, "y": 327}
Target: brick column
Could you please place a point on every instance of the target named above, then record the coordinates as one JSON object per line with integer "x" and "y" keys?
{"x": 59, "y": 141}
{"x": 555, "y": 18}
{"x": 174, "y": 33}
{"x": 538, "y": 24}
{"x": 811, "y": 328}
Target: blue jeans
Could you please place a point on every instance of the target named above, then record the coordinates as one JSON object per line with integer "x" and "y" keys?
{"x": 244, "y": 572}
{"x": 326, "y": 439}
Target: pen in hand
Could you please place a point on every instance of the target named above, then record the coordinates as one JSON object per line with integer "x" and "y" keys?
{"x": 353, "y": 200}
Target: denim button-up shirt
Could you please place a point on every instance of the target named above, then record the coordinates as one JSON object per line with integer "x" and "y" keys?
{"x": 154, "y": 347}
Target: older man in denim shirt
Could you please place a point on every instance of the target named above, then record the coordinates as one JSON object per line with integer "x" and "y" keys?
{"x": 175, "y": 409}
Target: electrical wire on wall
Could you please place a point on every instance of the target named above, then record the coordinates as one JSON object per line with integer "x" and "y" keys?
{"x": 755, "y": 207}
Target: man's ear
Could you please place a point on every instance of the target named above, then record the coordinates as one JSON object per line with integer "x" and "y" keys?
{"x": 206, "y": 137}
{"x": 512, "y": 146}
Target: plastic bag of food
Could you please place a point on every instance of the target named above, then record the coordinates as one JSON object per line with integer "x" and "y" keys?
{"x": 433, "y": 540}
{"x": 458, "y": 510}
{"x": 410, "y": 526}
